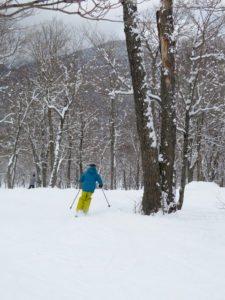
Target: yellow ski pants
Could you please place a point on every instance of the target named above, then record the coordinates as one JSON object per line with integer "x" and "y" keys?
{"x": 84, "y": 201}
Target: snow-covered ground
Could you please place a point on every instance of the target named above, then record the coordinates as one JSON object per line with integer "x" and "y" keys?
{"x": 113, "y": 253}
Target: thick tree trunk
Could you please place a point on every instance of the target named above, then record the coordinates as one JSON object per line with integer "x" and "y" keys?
{"x": 151, "y": 201}
{"x": 168, "y": 108}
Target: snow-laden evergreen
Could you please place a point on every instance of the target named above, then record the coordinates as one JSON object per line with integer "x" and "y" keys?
{"x": 112, "y": 253}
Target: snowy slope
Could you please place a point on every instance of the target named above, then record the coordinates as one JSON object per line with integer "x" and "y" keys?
{"x": 113, "y": 254}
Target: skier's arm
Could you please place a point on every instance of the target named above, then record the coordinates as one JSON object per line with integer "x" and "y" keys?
{"x": 99, "y": 179}
{"x": 82, "y": 177}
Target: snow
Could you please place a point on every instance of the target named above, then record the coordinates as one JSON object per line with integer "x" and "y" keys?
{"x": 113, "y": 253}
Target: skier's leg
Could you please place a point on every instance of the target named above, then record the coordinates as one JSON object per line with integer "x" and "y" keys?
{"x": 81, "y": 201}
{"x": 87, "y": 202}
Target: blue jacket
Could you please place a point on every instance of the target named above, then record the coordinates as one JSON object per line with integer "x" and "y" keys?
{"x": 89, "y": 179}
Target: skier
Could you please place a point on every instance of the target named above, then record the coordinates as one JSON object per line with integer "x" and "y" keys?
{"x": 88, "y": 179}
{"x": 32, "y": 181}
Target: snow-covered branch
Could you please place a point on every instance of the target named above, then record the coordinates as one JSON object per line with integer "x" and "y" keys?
{"x": 4, "y": 120}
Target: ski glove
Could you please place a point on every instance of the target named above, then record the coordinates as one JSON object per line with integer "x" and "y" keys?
{"x": 100, "y": 186}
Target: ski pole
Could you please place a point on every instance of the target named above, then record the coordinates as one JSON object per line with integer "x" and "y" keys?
{"x": 74, "y": 199}
{"x": 106, "y": 198}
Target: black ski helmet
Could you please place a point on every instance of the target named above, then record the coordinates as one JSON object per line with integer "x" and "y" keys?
{"x": 92, "y": 165}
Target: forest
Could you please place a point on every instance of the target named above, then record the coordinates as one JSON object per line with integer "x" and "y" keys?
{"x": 67, "y": 100}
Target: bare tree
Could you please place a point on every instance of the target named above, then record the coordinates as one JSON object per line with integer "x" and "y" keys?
{"x": 206, "y": 26}
{"x": 117, "y": 84}
{"x": 9, "y": 39}
{"x": 207, "y": 5}
{"x": 19, "y": 122}
{"x": 91, "y": 10}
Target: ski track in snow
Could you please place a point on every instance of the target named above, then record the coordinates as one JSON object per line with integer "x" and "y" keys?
{"x": 113, "y": 253}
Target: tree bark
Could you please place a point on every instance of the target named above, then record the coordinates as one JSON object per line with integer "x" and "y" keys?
{"x": 13, "y": 159}
{"x": 51, "y": 140}
{"x": 81, "y": 147}
{"x": 124, "y": 180}
{"x": 184, "y": 160}
{"x": 112, "y": 143}
{"x": 151, "y": 201}
{"x": 69, "y": 163}
{"x": 36, "y": 160}
{"x": 168, "y": 106}
{"x": 44, "y": 173}
{"x": 190, "y": 171}
{"x": 199, "y": 137}
{"x": 54, "y": 173}
{"x": 137, "y": 173}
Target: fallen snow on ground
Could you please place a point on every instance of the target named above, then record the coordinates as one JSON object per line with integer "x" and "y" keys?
{"x": 113, "y": 253}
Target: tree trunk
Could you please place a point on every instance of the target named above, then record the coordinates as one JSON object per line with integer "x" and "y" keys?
{"x": 124, "y": 180}
{"x": 36, "y": 160}
{"x": 168, "y": 106}
{"x": 12, "y": 162}
{"x": 199, "y": 157}
{"x": 8, "y": 173}
{"x": 115, "y": 177}
{"x": 55, "y": 170}
{"x": 44, "y": 165}
{"x": 44, "y": 173}
{"x": 112, "y": 143}
{"x": 130, "y": 179}
{"x": 51, "y": 140}
{"x": 184, "y": 160}
{"x": 151, "y": 201}
{"x": 69, "y": 163}
{"x": 190, "y": 171}
{"x": 14, "y": 171}
{"x": 77, "y": 176}
{"x": 81, "y": 147}
{"x": 199, "y": 164}
{"x": 137, "y": 173}
{"x": 44, "y": 158}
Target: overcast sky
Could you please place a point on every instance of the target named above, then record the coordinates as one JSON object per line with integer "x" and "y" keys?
{"x": 74, "y": 20}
